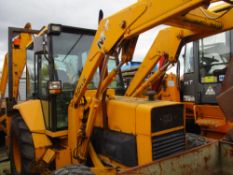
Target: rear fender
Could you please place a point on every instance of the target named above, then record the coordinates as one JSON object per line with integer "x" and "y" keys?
{"x": 32, "y": 114}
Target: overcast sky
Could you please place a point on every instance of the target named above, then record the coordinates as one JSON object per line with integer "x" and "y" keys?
{"x": 80, "y": 13}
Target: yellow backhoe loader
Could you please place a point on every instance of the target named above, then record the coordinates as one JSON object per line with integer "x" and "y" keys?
{"x": 63, "y": 122}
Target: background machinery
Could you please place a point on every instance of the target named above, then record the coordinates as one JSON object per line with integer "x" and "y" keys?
{"x": 205, "y": 65}
{"x": 198, "y": 86}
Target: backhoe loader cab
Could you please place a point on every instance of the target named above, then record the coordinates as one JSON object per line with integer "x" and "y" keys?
{"x": 54, "y": 61}
{"x": 205, "y": 64}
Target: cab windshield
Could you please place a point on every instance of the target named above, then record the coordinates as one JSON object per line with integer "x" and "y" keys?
{"x": 214, "y": 54}
{"x": 70, "y": 51}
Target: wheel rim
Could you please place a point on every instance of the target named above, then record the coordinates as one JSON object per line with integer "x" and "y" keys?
{"x": 16, "y": 155}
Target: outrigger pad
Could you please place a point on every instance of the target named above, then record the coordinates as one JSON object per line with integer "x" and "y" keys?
{"x": 225, "y": 101}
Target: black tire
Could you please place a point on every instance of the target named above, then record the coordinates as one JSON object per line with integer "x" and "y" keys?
{"x": 21, "y": 143}
{"x": 74, "y": 170}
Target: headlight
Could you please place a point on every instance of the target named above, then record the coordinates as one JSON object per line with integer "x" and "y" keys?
{"x": 54, "y": 29}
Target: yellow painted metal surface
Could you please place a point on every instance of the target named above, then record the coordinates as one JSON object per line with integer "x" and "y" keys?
{"x": 121, "y": 116}
{"x": 4, "y": 77}
{"x": 220, "y": 7}
{"x": 211, "y": 120}
{"x": 208, "y": 111}
{"x": 103, "y": 171}
{"x": 19, "y": 61}
{"x": 197, "y": 20}
{"x": 49, "y": 156}
{"x": 39, "y": 153}
{"x": 134, "y": 117}
{"x": 31, "y": 112}
{"x": 144, "y": 149}
{"x": 73, "y": 124}
{"x": 143, "y": 120}
{"x": 168, "y": 131}
{"x": 171, "y": 91}
{"x": 94, "y": 157}
{"x": 41, "y": 140}
{"x": 91, "y": 93}
{"x": 63, "y": 158}
{"x": 143, "y": 116}
{"x": 57, "y": 133}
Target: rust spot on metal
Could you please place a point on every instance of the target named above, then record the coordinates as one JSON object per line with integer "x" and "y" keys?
{"x": 187, "y": 167}
{"x": 161, "y": 169}
{"x": 206, "y": 159}
{"x": 231, "y": 152}
{"x": 225, "y": 153}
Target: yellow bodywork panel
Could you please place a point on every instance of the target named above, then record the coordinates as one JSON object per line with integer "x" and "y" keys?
{"x": 144, "y": 149}
{"x": 171, "y": 90}
{"x": 57, "y": 133}
{"x": 74, "y": 124}
{"x": 41, "y": 140}
{"x": 209, "y": 116}
{"x": 143, "y": 123}
{"x": 49, "y": 156}
{"x": 134, "y": 116}
{"x": 121, "y": 116}
{"x": 143, "y": 120}
{"x": 91, "y": 93}
{"x": 63, "y": 158}
{"x": 31, "y": 112}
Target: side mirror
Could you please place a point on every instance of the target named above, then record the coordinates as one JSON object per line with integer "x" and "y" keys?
{"x": 39, "y": 44}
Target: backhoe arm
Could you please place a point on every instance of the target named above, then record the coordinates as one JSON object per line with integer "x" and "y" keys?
{"x": 19, "y": 45}
{"x": 167, "y": 43}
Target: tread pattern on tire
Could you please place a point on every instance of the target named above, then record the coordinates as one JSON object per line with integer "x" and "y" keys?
{"x": 74, "y": 170}
{"x": 25, "y": 142}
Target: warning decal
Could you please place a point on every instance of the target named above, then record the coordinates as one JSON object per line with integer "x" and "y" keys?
{"x": 210, "y": 91}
